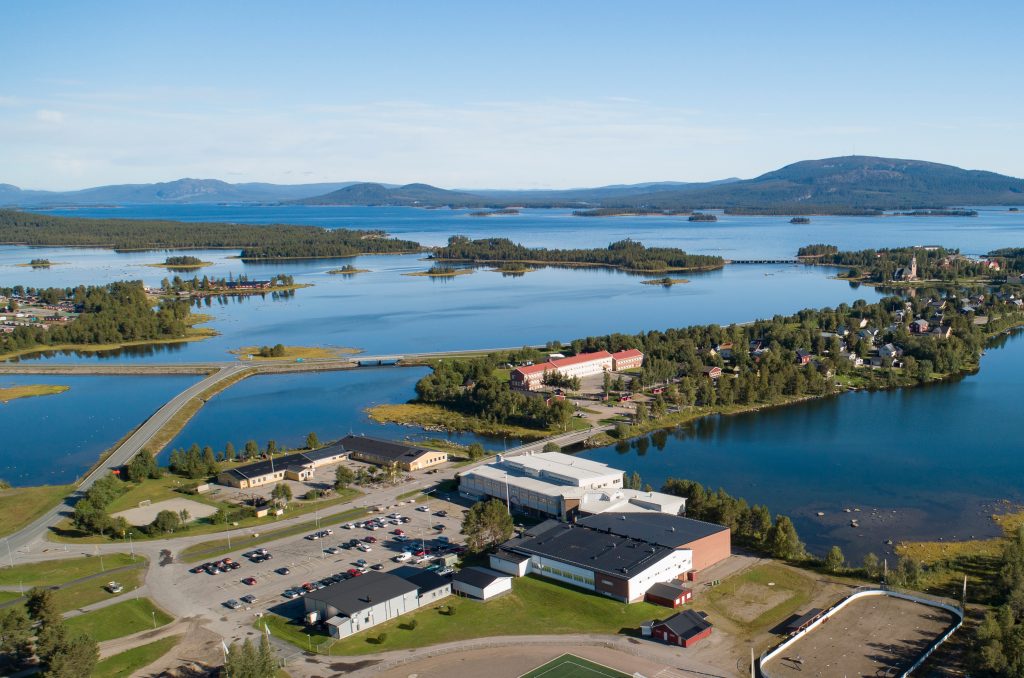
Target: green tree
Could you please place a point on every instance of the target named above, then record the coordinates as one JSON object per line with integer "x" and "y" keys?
{"x": 74, "y": 656}
{"x": 834, "y": 560}
{"x": 782, "y": 540}
{"x": 475, "y": 451}
{"x": 271, "y": 447}
{"x": 142, "y": 466}
{"x": 312, "y": 441}
{"x": 247, "y": 661}
{"x": 870, "y": 565}
{"x": 42, "y": 607}
{"x": 252, "y": 449}
{"x": 229, "y": 451}
{"x": 282, "y": 492}
{"x": 486, "y": 524}
{"x": 164, "y": 523}
{"x": 15, "y": 634}
{"x": 552, "y": 447}
{"x": 343, "y": 477}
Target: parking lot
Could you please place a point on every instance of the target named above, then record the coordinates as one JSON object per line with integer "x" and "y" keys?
{"x": 308, "y": 561}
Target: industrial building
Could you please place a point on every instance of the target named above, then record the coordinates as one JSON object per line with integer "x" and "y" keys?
{"x": 295, "y": 466}
{"x": 386, "y": 452}
{"x": 557, "y": 485}
{"x": 363, "y": 602}
{"x": 531, "y": 377}
{"x": 619, "y": 555}
{"x": 481, "y": 583}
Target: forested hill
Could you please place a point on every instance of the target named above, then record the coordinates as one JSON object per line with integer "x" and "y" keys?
{"x": 852, "y": 184}
{"x": 408, "y": 195}
{"x": 256, "y": 242}
{"x": 848, "y": 183}
{"x": 625, "y": 254}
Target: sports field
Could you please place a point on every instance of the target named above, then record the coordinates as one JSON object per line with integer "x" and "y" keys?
{"x": 571, "y": 666}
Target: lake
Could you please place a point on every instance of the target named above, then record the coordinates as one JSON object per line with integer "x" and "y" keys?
{"x": 929, "y": 461}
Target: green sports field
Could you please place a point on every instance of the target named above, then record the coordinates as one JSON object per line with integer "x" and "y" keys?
{"x": 571, "y": 666}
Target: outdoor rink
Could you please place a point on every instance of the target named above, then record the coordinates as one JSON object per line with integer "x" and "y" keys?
{"x": 872, "y": 636}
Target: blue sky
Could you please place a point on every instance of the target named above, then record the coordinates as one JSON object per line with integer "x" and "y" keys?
{"x": 512, "y": 94}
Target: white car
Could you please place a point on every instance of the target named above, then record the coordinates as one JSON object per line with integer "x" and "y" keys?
{"x": 422, "y": 509}
{"x": 114, "y": 587}
{"x": 291, "y": 593}
{"x": 402, "y": 557}
{"x": 348, "y": 526}
{"x": 364, "y": 548}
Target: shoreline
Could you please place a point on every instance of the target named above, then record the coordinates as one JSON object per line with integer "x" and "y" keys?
{"x": 579, "y": 264}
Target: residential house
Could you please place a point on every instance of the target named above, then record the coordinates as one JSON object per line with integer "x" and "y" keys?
{"x": 713, "y": 372}
{"x": 803, "y": 357}
{"x": 684, "y": 629}
{"x": 919, "y": 326}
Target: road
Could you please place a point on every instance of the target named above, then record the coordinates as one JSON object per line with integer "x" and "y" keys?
{"x": 120, "y": 456}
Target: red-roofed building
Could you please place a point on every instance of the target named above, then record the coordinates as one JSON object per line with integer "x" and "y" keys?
{"x": 627, "y": 360}
{"x": 531, "y": 377}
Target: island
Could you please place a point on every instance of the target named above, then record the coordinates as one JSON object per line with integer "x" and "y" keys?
{"x": 800, "y": 220}
{"x": 937, "y": 213}
{"x": 441, "y": 271}
{"x": 513, "y": 269}
{"x": 10, "y": 393}
{"x": 276, "y": 241}
{"x": 504, "y": 212}
{"x": 919, "y": 265}
{"x": 347, "y": 269}
{"x": 240, "y": 286}
{"x": 92, "y": 318}
{"x": 627, "y": 212}
{"x": 292, "y": 353}
{"x": 665, "y": 282}
{"x": 626, "y": 255}
{"x": 37, "y": 263}
{"x": 702, "y": 216}
{"x": 182, "y": 263}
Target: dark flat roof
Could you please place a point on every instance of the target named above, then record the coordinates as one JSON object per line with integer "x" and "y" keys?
{"x": 666, "y": 590}
{"x": 478, "y": 576}
{"x": 359, "y": 593}
{"x": 265, "y": 466}
{"x": 426, "y": 581}
{"x": 386, "y": 449}
{"x": 686, "y": 624}
{"x": 654, "y": 528}
{"x": 593, "y": 550}
{"x": 326, "y": 451}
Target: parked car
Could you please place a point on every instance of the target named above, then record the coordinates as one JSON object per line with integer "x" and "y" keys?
{"x": 401, "y": 537}
{"x": 291, "y": 593}
{"x": 377, "y": 566}
{"x": 283, "y": 571}
{"x": 353, "y": 572}
{"x": 402, "y": 557}
{"x": 248, "y": 600}
{"x": 361, "y": 562}
{"x": 348, "y": 526}
{"x": 326, "y": 581}
{"x": 370, "y": 539}
{"x": 441, "y": 514}
{"x": 233, "y": 604}
{"x": 399, "y": 531}
{"x": 113, "y": 587}
{"x": 446, "y": 571}
{"x": 308, "y": 587}
{"x": 422, "y": 509}
{"x": 364, "y": 548}
{"x": 249, "y": 581}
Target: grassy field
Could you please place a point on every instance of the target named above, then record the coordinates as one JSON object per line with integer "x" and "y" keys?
{"x": 421, "y": 414}
{"x": 88, "y": 592}
{"x": 533, "y": 606}
{"x": 53, "y": 572}
{"x": 19, "y": 506}
{"x": 216, "y": 547}
{"x": 760, "y": 597}
{"x": 293, "y": 353}
{"x": 30, "y": 391}
{"x": 127, "y": 663}
{"x": 163, "y": 488}
{"x": 571, "y": 666}
{"x": 120, "y": 619}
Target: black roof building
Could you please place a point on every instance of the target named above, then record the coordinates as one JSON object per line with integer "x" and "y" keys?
{"x": 660, "y": 529}
{"x": 478, "y": 577}
{"x": 257, "y": 469}
{"x": 592, "y": 549}
{"x": 666, "y": 590}
{"x": 382, "y": 449}
{"x": 685, "y": 624}
{"x": 359, "y": 593}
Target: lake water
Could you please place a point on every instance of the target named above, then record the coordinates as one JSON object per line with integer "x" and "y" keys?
{"x": 53, "y": 439}
{"x": 937, "y": 456}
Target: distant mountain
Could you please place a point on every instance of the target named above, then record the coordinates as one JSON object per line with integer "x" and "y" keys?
{"x": 179, "y": 191}
{"x": 852, "y": 182}
{"x": 408, "y": 195}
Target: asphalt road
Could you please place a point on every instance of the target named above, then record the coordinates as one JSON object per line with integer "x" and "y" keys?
{"x": 128, "y": 449}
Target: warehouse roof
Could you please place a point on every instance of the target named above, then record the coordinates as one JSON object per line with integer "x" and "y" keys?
{"x": 598, "y": 551}
{"x": 686, "y": 624}
{"x": 386, "y": 449}
{"x": 265, "y": 466}
{"x": 359, "y": 593}
{"x": 479, "y": 577}
{"x": 654, "y": 528}
{"x": 326, "y": 451}
{"x": 667, "y": 590}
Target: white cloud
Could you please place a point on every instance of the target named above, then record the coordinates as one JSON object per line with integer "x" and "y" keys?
{"x": 46, "y": 115}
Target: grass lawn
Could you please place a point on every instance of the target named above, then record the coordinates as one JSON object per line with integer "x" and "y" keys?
{"x": 121, "y": 619}
{"x": 571, "y": 666}
{"x": 292, "y": 353}
{"x": 53, "y": 572}
{"x": 534, "y": 606}
{"x": 421, "y": 414}
{"x": 8, "y": 595}
{"x": 760, "y": 597}
{"x": 127, "y": 663}
{"x": 216, "y": 547}
{"x": 19, "y": 506}
{"x": 164, "y": 488}
{"x": 30, "y": 391}
{"x": 92, "y": 591}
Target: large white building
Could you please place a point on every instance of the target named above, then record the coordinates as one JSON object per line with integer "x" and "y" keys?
{"x": 531, "y": 377}
{"x": 561, "y": 486}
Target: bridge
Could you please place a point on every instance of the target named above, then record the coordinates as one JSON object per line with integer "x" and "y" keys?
{"x": 763, "y": 261}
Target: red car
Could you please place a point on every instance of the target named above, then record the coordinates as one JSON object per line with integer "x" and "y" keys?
{"x": 400, "y": 532}
{"x": 249, "y": 581}
{"x": 421, "y": 552}
{"x": 354, "y": 572}
{"x": 370, "y": 539}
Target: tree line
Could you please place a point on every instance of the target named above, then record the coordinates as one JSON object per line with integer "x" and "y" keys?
{"x": 37, "y": 630}
{"x": 256, "y": 242}
{"x": 108, "y": 314}
{"x": 207, "y": 284}
{"x": 881, "y": 265}
{"x": 626, "y": 254}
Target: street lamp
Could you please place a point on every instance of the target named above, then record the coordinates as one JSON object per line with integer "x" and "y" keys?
{"x": 153, "y": 612}
{"x": 131, "y": 545}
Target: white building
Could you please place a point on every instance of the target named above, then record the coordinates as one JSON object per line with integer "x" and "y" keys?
{"x": 481, "y": 583}
{"x": 561, "y": 485}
